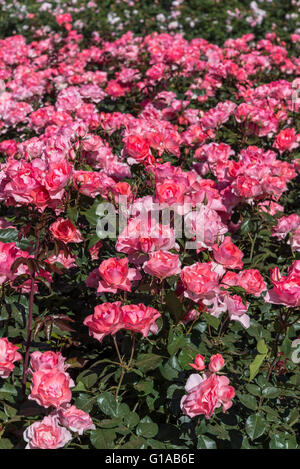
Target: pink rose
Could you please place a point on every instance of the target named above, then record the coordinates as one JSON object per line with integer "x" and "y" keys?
{"x": 286, "y": 140}
{"x": 162, "y": 264}
{"x": 140, "y": 318}
{"x": 65, "y": 231}
{"x": 105, "y": 320}
{"x": 51, "y": 388}
{"x": 198, "y": 363}
{"x": 199, "y": 280}
{"x": 75, "y": 419}
{"x": 228, "y": 254}
{"x": 8, "y": 355}
{"x": 115, "y": 274}
{"x": 46, "y": 434}
{"x": 237, "y": 310}
{"x": 206, "y": 394}
{"x": 47, "y": 361}
{"x": 286, "y": 289}
{"x": 216, "y": 362}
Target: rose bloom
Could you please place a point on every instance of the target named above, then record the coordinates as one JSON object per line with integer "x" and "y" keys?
{"x": 198, "y": 363}
{"x": 47, "y": 361}
{"x": 65, "y": 231}
{"x": 206, "y": 394}
{"x": 94, "y": 250}
{"x": 137, "y": 147}
{"x": 251, "y": 280}
{"x": 75, "y": 419}
{"x": 46, "y": 434}
{"x": 105, "y": 320}
{"x": 199, "y": 280}
{"x": 115, "y": 274}
{"x": 286, "y": 289}
{"x": 51, "y": 388}
{"x": 237, "y": 310}
{"x": 170, "y": 192}
{"x": 162, "y": 264}
{"x": 286, "y": 140}
{"x": 228, "y": 254}
{"x": 124, "y": 189}
{"x": 8, "y": 355}
{"x": 140, "y": 318}
{"x": 216, "y": 362}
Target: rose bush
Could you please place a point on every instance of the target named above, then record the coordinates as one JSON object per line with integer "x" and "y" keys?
{"x": 150, "y": 226}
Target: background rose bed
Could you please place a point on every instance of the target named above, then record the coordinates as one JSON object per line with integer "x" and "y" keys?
{"x": 138, "y": 342}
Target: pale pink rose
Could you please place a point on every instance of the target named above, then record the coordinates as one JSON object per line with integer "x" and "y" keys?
{"x": 8, "y": 355}
{"x": 65, "y": 231}
{"x": 51, "y": 388}
{"x": 115, "y": 274}
{"x": 237, "y": 310}
{"x": 140, "y": 318}
{"x": 198, "y": 364}
{"x": 47, "y": 361}
{"x": 46, "y": 434}
{"x": 199, "y": 280}
{"x": 75, "y": 419}
{"x": 216, "y": 362}
{"x": 105, "y": 320}
{"x": 162, "y": 264}
{"x": 170, "y": 192}
{"x": 227, "y": 254}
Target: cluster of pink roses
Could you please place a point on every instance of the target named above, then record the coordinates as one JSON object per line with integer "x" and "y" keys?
{"x": 207, "y": 392}
{"x": 50, "y": 387}
{"x": 109, "y": 318}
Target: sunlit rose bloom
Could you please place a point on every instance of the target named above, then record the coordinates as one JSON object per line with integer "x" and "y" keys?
{"x": 199, "y": 280}
{"x": 216, "y": 362}
{"x": 8, "y": 355}
{"x": 237, "y": 310}
{"x": 105, "y": 320}
{"x": 115, "y": 274}
{"x": 228, "y": 254}
{"x": 205, "y": 394}
{"x": 47, "y": 361}
{"x": 162, "y": 264}
{"x": 198, "y": 364}
{"x": 140, "y": 318}
{"x": 75, "y": 419}
{"x": 51, "y": 388}
{"x": 46, "y": 434}
{"x": 65, "y": 231}
{"x": 286, "y": 140}
{"x": 286, "y": 290}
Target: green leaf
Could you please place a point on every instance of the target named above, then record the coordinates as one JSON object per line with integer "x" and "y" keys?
{"x": 147, "y": 428}
{"x": 255, "y": 365}
{"x": 103, "y": 439}
{"x": 271, "y": 392}
{"x": 261, "y": 347}
{"x": 206, "y": 443}
{"x": 248, "y": 401}
{"x": 255, "y": 426}
{"x": 5, "y": 443}
{"x": 148, "y": 361}
{"x": 283, "y": 441}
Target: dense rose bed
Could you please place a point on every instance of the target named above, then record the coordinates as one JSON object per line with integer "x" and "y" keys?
{"x": 149, "y": 338}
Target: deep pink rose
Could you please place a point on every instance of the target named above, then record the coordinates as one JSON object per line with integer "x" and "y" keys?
{"x": 105, "y": 320}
